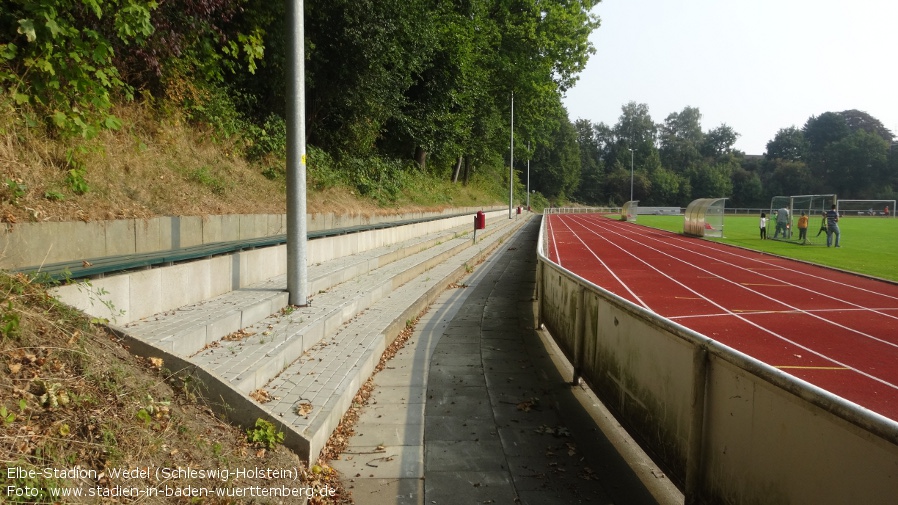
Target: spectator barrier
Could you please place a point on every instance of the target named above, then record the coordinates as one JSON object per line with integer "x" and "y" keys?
{"x": 726, "y": 427}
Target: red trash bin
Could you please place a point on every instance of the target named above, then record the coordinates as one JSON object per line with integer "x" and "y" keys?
{"x": 480, "y": 220}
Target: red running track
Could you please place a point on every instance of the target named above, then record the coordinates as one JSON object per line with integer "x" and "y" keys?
{"x": 835, "y": 330}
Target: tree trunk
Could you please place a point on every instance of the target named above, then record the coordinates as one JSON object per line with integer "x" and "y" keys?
{"x": 457, "y": 169}
{"x": 467, "y": 171}
{"x": 421, "y": 157}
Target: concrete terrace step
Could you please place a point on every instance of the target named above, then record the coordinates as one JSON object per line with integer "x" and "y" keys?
{"x": 189, "y": 329}
{"x": 262, "y": 350}
{"x": 326, "y": 377}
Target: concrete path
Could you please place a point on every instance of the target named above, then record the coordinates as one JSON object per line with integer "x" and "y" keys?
{"x": 476, "y": 409}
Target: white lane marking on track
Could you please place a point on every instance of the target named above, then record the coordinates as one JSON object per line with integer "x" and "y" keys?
{"x": 784, "y": 284}
{"x": 733, "y": 314}
{"x": 762, "y": 311}
{"x": 773, "y": 264}
{"x": 554, "y": 242}
{"x": 624, "y": 285}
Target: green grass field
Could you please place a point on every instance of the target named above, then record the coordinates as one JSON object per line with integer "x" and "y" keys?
{"x": 869, "y": 244}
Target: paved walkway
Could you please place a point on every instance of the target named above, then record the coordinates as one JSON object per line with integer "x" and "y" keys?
{"x": 475, "y": 410}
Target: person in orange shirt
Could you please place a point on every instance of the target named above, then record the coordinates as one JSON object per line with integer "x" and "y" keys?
{"x": 803, "y": 228}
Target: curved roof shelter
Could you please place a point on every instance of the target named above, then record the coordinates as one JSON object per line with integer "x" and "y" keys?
{"x": 704, "y": 217}
{"x": 629, "y": 210}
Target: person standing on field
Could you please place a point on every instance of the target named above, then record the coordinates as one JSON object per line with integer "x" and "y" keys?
{"x": 763, "y": 226}
{"x": 803, "y": 228}
{"x": 782, "y": 221}
{"x": 832, "y": 226}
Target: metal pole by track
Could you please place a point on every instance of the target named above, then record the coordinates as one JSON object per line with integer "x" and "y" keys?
{"x": 511, "y": 165}
{"x": 297, "y": 234}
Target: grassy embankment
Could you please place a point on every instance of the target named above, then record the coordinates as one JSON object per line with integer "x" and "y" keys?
{"x": 70, "y": 394}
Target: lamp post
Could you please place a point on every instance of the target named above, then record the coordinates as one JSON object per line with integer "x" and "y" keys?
{"x": 511, "y": 164}
{"x": 528, "y": 175}
{"x": 297, "y": 234}
{"x": 631, "y": 175}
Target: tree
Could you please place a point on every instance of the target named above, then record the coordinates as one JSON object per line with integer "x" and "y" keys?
{"x": 635, "y": 128}
{"x": 555, "y": 168}
{"x": 591, "y": 166}
{"x": 363, "y": 58}
{"x": 747, "y": 189}
{"x": 820, "y": 131}
{"x": 858, "y": 162}
{"x": 681, "y": 139}
{"x": 710, "y": 180}
{"x": 793, "y": 178}
{"x": 859, "y": 120}
{"x": 667, "y": 187}
{"x": 719, "y": 142}
{"x": 788, "y": 144}
{"x": 617, "y": 184}
{"x": 60, "y": 58}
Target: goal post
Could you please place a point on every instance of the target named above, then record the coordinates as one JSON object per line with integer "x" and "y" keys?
{"x": 785, "y": 212}
{"x": 870, "y": 208}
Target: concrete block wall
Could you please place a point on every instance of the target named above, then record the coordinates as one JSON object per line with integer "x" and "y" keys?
{"x": 731, "y": 428}
{"x": 32, "y": 244}
{"x": 132, "y": 296}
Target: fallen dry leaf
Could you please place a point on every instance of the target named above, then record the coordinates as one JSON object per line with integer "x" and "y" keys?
{"x": 261, "y": 396}
{"x": 303, "y": 409}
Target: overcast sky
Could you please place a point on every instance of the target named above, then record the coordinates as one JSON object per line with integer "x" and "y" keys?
{"x": 757, "y": 66}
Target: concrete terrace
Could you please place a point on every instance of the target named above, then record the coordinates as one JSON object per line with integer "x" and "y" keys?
{"x": 306, "y": 362}
{"x": 448, "y": 408}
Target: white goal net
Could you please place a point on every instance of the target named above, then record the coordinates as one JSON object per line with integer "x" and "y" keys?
{"x": 787, "y": 211}
{"x": 871, "y": 208}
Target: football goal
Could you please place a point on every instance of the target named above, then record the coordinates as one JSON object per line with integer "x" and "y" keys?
{"x": 880, "y": 208}
{"x": 786, "y": 211}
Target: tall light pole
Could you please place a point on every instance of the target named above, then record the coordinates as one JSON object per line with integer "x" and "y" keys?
{"x": 631, "y": 176}
{"x": 511, "y": 164}
{"x": 297, "y": 269}
{"x": 528, "y": 175}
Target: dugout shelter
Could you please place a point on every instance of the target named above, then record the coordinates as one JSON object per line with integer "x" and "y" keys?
{"x": 704, "y": 217}
{"x": 629, "y": 210}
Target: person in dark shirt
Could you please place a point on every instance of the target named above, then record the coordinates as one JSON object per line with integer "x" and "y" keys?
{"x": 832, "y": 226}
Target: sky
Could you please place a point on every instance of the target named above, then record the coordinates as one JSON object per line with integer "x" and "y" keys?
{"x": 757, "y": 66}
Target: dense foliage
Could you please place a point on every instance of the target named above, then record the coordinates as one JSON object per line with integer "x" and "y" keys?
{"x": 425, "y": 81}
{"x": 398, "y": 87}
{"x": 849, "y": 153}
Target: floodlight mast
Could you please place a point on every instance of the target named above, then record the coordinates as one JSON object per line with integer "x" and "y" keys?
{"x": 297, "y": 276}
{"x": 631, "y": 174}
{"x": 511, "y": 164}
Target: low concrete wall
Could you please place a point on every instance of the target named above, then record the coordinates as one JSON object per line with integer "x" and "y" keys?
{"x": 30, "y": 244}
{"x": 132, "y": 296}
{"x": 726, "y": 427}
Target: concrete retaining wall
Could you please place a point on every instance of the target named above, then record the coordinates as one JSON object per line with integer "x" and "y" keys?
{"x": 132, "y": 296}
{"x": 726, "y": 427}
{"x": 30, "y": 244}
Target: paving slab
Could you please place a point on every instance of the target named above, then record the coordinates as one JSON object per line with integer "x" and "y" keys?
{"x": 501, "y": 422}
